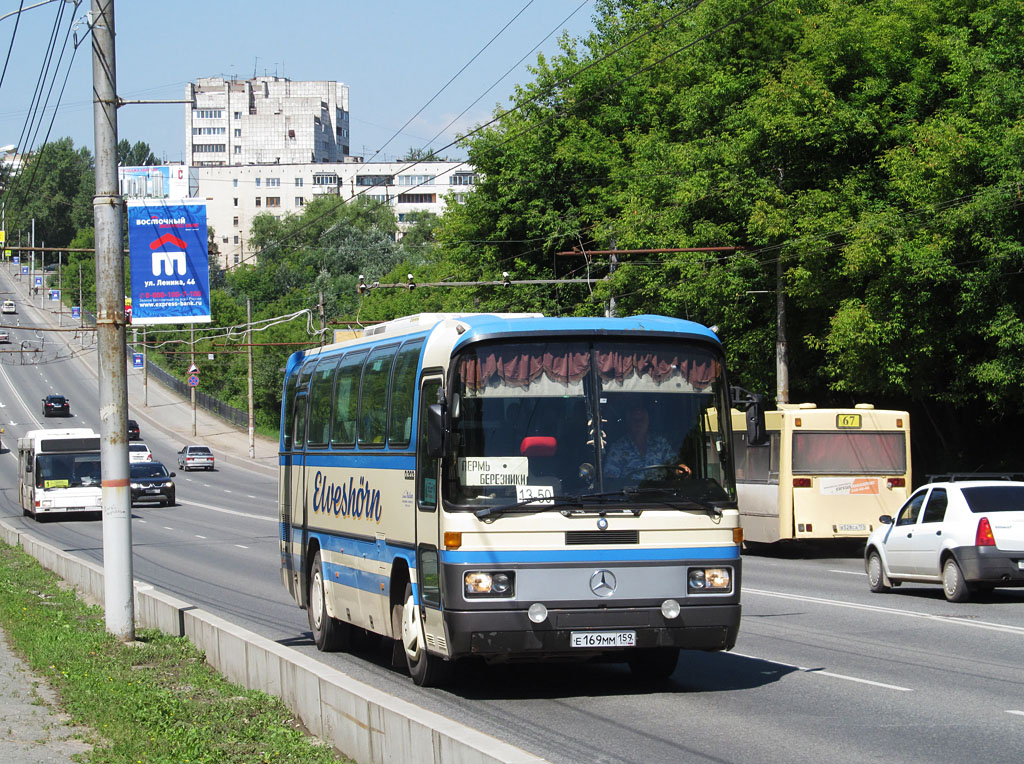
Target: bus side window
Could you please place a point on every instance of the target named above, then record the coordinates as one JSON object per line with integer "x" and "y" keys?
{"x": 403, "y": 391}
{"x": 373, "y": 396}
{"x": 320, "y": 402}
{"x": 346, "y": 399}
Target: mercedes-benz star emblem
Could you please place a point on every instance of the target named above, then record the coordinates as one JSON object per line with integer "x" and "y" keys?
{"x": 602, "y": 583}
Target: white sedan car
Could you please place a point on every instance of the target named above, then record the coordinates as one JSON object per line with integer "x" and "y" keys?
{"x": 8, "y": 306}
{"x": 139, "y": 452}
{"x": 964, "y": 534}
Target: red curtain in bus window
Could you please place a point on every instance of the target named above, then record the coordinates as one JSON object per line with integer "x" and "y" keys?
{"x": 849, "y": 453}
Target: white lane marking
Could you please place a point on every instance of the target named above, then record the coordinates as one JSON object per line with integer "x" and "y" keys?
{"x": 168, "y": 528}
{"x": 228, "y": 511}
{"x": 1018, "y": 713}
{"x": 828, "y": 673}
{"x": 227, "y": 491}
{"x": 200, "y": 537}
{"x": 249, "y": 496}
{"x": 241, "y": 547}
{"x": 890, "y": 611}
{"x": 848, "y": 572}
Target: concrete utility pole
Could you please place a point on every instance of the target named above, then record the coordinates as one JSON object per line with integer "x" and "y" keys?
{"x": 252, "y": 432}
{"x": 781, "y": 347}
{"x": 108, "y": 211}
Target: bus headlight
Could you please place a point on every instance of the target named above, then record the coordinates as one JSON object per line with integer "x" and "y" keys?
{"x": 479, "y": 583}
{"x": 703, "y": 580}
{"x": 136, "y": 486}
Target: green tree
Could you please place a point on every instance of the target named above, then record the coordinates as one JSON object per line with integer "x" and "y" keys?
{"x": 137, "y": 155}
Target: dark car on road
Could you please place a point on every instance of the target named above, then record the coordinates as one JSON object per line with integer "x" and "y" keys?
{"x": 56, "y": 405}
{"x": 150, "y": 481}
{"x": 133, "y": 430}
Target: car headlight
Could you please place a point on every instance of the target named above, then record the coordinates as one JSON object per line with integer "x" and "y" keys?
{"x": 480, "y": 583}
{"x": 708, "y": 580}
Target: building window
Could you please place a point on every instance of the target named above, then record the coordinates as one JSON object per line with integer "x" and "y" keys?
{"x": 208, "y": 148}
{"x": 225, "y": 239}
{"x": 236, "y": 239}
{"x": 208, "y": 130}
{"x": 325, "y": 179}
{"x": 238, "y": 115}
{"x": 236, "y": 258}
{"x": 374, "y": 180}
{"x": 299, "y": 201}
{"x": 238, "y": 132}
{"x": 234, "y": 182}
{"x": 238, "y": 149}
{"x": 258, "y": 182}
{"x": 236, "y": 201}
{"x": 298, "y": 182}
{"x": 273, "y": 182}
{"x": 273, "y": 201}
{"x": 416, "y": 180}
{"x": 416, "y": 198}
{"x": 234, "y": 220}
{"x": 207, "y": 114}
{"x": 259, "y": 201}
{"x": 462, "y": 179}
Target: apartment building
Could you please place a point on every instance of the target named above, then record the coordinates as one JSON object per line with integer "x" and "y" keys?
{"x": 265, "y": 120}
{"x": 236, "y": 194}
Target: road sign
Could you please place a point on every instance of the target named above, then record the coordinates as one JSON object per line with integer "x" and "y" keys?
{"x": 193, "y": 369}
{"x": 39, "y": 281}
{"x": 137, "y": 360}
{"x": 24, "y": 270}
{"x": 54, "y": 295}
{"x": 193, "y": 380}
{"x": 16, "y": 259}
{"x": 76, "y": 312}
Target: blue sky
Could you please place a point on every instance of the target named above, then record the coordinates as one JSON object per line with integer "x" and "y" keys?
{"x": 395, "y": 56}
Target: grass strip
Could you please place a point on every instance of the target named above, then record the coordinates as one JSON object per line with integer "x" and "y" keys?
{"x": 153, "y": 701}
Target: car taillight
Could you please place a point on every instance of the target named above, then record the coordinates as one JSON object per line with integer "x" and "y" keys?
{"x": 984, "y": 535}
{"x": 895, "y": 482}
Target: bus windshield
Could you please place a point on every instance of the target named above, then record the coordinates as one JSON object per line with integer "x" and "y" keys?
{"x": 67, "y": 470}
{"x": 587, "y": 418}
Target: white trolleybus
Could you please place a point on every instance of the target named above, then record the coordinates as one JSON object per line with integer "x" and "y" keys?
{"x": 513, "y": 487}
{"x": 59, "y": 472}
{"x": 821, "y": 473}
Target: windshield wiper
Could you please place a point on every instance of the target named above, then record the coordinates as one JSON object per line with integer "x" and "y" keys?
{"x": 673, "y": 500}
{"x": 536, "y": 504}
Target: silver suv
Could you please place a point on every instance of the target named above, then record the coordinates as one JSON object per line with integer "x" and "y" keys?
{"x": 965, "y": 533}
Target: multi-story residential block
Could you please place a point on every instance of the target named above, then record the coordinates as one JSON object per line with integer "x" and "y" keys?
{"x": 237, "y": 194}
{"x": 265, "y": 120}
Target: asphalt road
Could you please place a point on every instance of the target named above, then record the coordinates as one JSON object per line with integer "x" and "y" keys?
{"x": 823, "y": 670}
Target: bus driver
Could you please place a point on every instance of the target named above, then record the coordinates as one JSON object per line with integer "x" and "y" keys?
{"x": 632, "y": 455}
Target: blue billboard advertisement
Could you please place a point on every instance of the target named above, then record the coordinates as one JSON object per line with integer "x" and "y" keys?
{"x": 169, "y": 262}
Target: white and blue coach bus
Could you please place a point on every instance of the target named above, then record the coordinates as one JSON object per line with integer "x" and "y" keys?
{"x": 513, "y": 487}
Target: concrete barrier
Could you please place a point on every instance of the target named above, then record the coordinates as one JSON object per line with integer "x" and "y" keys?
{"x": 366, "y": 724}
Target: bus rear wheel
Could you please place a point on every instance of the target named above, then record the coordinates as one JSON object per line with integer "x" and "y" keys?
{"x": 330, "y": 634}
{"x": 425, "y": 669}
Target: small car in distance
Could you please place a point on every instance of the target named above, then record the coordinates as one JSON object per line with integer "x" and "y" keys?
{"x": 8, "y": 306}
{"x": 150, "y": 481}
{"x": 133, "y": 430}
{"x": 965, "y": 534}
{"x": 5, "y": 337}
{"x": 56, "y": 405}
{"x": 139, "y": 452}
{"x": 195, "y": 457}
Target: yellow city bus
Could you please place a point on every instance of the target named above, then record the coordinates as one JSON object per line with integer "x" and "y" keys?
{"x": 822, "y": 473}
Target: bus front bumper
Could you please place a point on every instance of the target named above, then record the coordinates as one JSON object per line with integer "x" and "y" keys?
{"x": 507, "y": 633}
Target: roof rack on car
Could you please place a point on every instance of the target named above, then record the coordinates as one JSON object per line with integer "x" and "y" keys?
{"x": 953, "y": 477}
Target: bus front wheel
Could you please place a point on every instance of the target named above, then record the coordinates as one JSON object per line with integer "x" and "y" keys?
{"x": 653, "y": 663}
{"x": 330, "y": 634}
{"x": 425, "y": 669}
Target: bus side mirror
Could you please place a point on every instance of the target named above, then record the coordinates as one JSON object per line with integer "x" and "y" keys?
{"x": 757, "y": 433}
{"x": 435, "y": 431}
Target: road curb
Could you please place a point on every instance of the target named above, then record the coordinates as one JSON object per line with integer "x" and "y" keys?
{"x": 362, "y": 721}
